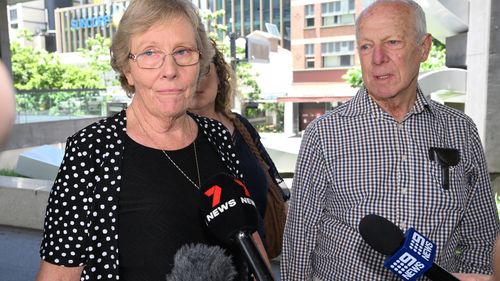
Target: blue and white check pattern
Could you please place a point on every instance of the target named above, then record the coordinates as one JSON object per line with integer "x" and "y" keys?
{"x": 357, "y": 160}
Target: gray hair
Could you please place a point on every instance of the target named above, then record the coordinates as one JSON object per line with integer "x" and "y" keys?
{"x": 142, "y": 15}
{"x": 418, "y": 12}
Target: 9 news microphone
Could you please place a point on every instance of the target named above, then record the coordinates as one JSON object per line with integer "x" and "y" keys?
{"x": 411, "y": 255}
{"x": 231, "y": 216}
{"x": 200, "y": 262}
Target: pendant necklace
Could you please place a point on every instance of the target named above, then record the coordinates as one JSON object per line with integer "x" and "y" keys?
{"x": 170, "y": 159}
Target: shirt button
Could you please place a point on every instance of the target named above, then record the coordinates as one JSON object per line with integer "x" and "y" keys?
{"x": 404, "y": 157}
{"x": 400, "y": 126}
{"x": 404, "y": 190}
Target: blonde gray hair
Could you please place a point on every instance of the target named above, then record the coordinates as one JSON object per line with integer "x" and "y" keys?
{"x": 418, "y": 12}
{"x": 141, "y": 15}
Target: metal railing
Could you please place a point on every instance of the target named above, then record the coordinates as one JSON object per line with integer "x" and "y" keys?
{"x": 52, "y": 105}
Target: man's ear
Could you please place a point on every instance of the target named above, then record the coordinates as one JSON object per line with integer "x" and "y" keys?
{"x": 425, "y": 45}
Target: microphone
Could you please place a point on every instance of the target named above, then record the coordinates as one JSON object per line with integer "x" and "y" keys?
{"x": 231, "y": 216}
{"x": 200, "y": 262}
{"x": 411, "y": 254}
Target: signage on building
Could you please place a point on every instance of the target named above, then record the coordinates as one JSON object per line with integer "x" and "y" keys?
{"x": 99, "y": 21}
{"x": 97, "y": 15}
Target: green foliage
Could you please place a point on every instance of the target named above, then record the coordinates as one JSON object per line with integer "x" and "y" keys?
{"x": 37, "y": 70}
{"x": 97, "y": 54}
{"x": 497, "y": 199}
{"x": 10, "y": 173}
{"x": 215, "y": 29}
{"x": 247, "y": 85}
{"x": 436, "y": 60}
{"x": 279, "y": 109}
{"x": 353, "y": 77}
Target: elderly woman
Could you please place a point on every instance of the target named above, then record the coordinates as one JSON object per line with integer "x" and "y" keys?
{"x": 127, "y": 194}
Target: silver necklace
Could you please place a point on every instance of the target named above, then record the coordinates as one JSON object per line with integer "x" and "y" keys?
{"x": 182, "y": 172}
{"x": 170, "y": 159}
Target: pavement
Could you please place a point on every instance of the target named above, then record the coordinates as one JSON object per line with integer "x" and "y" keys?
{"x": 19, "y": 258}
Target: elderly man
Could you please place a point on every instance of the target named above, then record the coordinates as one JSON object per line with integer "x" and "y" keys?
{"x": 371, "y": 156}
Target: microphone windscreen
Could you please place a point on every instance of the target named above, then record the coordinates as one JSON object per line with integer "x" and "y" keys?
{"x": 381, "y": 234}
{"x": 226, "y": 207}
{"x": 200, "y": 262}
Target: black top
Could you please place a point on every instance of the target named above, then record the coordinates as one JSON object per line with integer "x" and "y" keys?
{"x": 255, "y": 179}
{"x": 82, "y": 215}
{"x": 159, "y": 207}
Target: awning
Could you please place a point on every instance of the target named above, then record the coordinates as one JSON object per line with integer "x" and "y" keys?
{"x": 313, "y": 99}
{"x": 319, "y": 92}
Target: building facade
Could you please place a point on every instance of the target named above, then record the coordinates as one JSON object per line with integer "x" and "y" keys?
{"x": 244, "y": 17}
{"x": 74, "y": 25}
{"x": 323, "y": 48}
{"x": 29, "y": 16}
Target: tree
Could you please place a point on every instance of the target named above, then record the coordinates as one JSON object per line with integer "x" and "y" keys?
{"x": 97, "y": 54}
{"x": 36, "y": 70}
{"x": 247, "y": 86}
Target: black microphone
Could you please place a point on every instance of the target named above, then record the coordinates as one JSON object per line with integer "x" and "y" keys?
{"x": 200, "y": 262}
{"x": 230, "y": 214}
{"x": 411, "y": 255}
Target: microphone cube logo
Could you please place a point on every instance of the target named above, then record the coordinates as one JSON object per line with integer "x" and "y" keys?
{"x": 406, "y": 266}
{"x": 414, "y": 258}
{"x": 420, "y": 245}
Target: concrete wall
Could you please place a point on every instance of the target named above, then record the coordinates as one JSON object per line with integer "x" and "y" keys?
{"x": 34, "y": 134}
{"x": 483, "y": 76}
{"x": 492, "y": 130}
{"x": 23, "y": 202}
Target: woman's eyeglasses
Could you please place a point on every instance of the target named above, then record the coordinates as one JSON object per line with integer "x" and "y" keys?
{"x": 152, "y": 59}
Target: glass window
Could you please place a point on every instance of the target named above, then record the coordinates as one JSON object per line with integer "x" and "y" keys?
{"x": 309, "y": 15}
{"x": 351, "y": 5}
{"x": 256, "y": 15}
{"x": 337, "y": 54}
{"x": 330, "y": 7}
{"x": 309, "y": 62}
{"x": 309, "y": 50}
{"x": 346, "y": 60}
{"x": 13, "y": 14}
{"x": 309, "y": 10}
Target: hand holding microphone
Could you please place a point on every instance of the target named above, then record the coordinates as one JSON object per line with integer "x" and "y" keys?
{"x": 230, "y": 214}
{"x": 411, "y": 255}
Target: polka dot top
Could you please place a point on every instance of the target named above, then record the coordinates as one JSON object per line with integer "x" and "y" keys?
{"x": 81, "y": 220}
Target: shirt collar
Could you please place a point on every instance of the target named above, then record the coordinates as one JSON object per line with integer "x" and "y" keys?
{"x": 363, "y": 104}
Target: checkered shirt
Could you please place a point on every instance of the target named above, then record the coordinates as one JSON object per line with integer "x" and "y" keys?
{"x": 358, "y": 160}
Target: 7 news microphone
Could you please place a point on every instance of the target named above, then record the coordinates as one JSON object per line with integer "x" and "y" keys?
{"x": 200, "y": 262}
{"x": 411, "y": 254}
{"x": 231, "y": 216}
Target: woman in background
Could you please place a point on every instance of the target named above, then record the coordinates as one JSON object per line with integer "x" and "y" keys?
{"x": 213, "y": 99}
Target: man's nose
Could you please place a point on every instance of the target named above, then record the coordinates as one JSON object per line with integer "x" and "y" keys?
{"x": 379, "y": 56}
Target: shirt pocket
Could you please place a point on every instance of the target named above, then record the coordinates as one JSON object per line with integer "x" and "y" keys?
{"x": 455, "y": 197}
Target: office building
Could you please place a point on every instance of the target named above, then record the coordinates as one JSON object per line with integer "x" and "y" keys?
{"x": 323, "y": 48}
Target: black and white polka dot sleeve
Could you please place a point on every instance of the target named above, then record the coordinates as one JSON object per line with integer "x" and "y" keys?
{"x": 66, "y": 219}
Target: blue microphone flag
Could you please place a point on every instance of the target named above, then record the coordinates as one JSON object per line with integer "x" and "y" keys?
{"x": 414, "y": 258}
